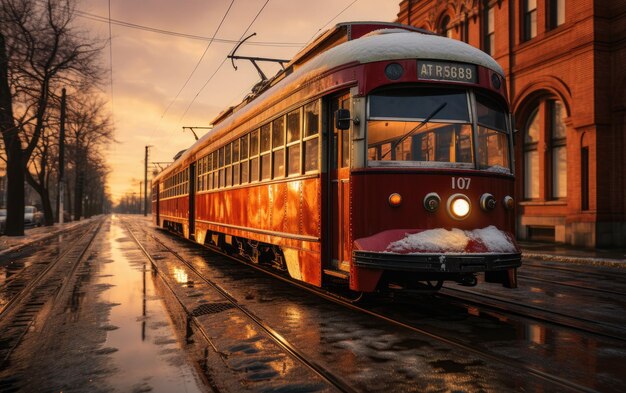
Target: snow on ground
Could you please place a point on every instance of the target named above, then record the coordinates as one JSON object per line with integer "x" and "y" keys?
{"x": 440, "y": 240}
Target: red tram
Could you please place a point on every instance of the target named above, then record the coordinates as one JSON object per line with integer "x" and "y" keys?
{"x": 381, "y": 155}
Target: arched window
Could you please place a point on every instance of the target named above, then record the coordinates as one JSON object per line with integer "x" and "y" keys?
{"x": 545, "y": 175}
{"x": 558, "y": 149}
{"x": 444, "y": 28}
{"x": 531, "y": 156}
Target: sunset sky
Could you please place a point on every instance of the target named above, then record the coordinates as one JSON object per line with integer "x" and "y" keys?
{"x": 150, "y": 68}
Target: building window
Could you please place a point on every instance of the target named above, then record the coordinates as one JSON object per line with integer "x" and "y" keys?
{"x": 488, "y": 28}
{"x": 444, "y": 29}
{"x": 558, "y": 151}
{"x": 556, "y": 13}
{"x": 531, "y": 156}
{"x": 584, "y": 178}
{"x": 530, "y": 19}
{"x": 545, "y": 174}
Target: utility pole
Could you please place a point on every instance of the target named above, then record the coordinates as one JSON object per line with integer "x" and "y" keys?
{"x": 61, "y": 188}
{"x": 145, "y": 184}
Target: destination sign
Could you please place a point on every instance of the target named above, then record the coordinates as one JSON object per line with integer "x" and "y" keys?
{"x": 446, "y": 71}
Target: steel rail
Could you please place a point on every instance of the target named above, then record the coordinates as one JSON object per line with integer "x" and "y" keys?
{"x": 32, "y": 285}
{"x": 7, "y": 307}
{"x": 577, "y": 286}
{"x": 322, "y": 372}
{"x": 605, "y": 274}
{"x": 545, "y": 376}
{"x": 554, "y": 321}
{"x": 190, "y": 316}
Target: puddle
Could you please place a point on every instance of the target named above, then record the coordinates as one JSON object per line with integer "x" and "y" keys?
{"x": 141, "y": 342}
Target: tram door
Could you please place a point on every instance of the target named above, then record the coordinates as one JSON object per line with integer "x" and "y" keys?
{"x": 339, "y": 176}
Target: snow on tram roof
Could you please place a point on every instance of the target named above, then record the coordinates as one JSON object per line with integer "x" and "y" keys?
{"x": 379, "y": 45}
{"x": 399, "y": 44}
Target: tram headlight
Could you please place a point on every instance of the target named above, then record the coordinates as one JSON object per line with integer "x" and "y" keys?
{"x": 487, "y": 202}
{"x": 509, "y": 202}
{"x": 459, "y": 206}
{"x": 395, "y": 199}
{"x": 432, "y": 202}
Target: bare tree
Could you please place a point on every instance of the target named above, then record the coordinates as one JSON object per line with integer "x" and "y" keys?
{"x": 39, "y": 52}
{"x": 89, "y": 130}
{"x": 42, "y": 168}
{"x": 95, "y": 198}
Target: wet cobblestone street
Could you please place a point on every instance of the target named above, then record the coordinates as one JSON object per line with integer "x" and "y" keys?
{"x": 108, "y": 331}
{"x": 142, "y": 310}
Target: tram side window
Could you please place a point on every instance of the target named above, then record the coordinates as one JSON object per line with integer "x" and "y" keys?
{"x": 254, "y": 155}
{"x": 492, "y": 144}
{"x": 227, "y": 167}
{"x": 205, "y": 169}
{"x": 266, "y": 148}
{"x": 209, "y": 175}
{"x": 185, "y": 181}
{"x": 293, "y": 143}
{"x": 215, "y": 175}
{"x": 311, "y": 136}
{"x": 245, "y": 164}
{"x": 278, "y": 147}
{"x": 199, "y": 171}
{"x": 205, "y": 175}
{"x": 222, "y": 172}
{"x": 235, "y": 161}
{"x": 199, "y": 179}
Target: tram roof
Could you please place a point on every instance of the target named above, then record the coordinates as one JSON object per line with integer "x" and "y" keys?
{"x": 391, "y": 43}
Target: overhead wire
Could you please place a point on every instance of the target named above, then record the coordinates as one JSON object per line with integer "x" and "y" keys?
{"x": 330, "y": 20}
{"x": 199, "y": 60}
{"x": 222, "y": 63}
{"x": 130, "y": 25}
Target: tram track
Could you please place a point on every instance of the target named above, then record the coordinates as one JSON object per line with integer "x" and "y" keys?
{"x": 538, "y": 313}
{"x": 569, "y": 285}
{"x": 41, "y": 284}
{"x": 456, "y": 344}
{"x": 604, "y": 274}
{"x": 27, "y": 278}
{"x": 324, "y": 373}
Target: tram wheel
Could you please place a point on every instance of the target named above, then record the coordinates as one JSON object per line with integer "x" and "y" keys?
{"x": 434, "y": 285}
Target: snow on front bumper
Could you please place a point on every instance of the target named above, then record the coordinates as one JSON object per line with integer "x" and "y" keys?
{"x": 438, "y": 250}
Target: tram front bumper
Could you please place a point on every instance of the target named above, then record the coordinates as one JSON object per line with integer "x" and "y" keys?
{"x": 436, "y": 263}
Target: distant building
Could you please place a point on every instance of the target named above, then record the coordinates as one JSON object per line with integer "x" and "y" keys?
{"x": 565, "y": 63}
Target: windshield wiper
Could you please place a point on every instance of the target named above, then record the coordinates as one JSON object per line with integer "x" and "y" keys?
{"x": 414, "y": 130}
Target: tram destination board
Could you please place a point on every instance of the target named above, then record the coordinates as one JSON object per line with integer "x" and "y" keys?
{"x": 446, "y": 71}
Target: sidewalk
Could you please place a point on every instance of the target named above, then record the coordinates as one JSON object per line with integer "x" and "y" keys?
{"x": 615, "y": 257}
{"x": 32, "y": 235}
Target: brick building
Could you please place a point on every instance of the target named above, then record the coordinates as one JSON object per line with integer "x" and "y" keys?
{"x": 565, "y": 62}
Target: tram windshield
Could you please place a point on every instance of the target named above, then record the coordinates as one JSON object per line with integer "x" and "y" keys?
{"x": 434, "y": 128}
